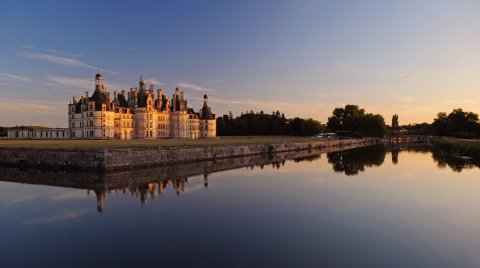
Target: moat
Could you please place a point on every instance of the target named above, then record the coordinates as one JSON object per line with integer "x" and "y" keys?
{"x": 378, "y": 206}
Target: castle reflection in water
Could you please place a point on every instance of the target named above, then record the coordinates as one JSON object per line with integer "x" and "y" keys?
{"x": 147, "y": 183}
{"x": 143, "y": 185}
{"x": 143, "y": 191}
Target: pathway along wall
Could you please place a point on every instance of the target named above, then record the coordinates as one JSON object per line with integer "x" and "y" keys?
{"x": 127, "y": 158}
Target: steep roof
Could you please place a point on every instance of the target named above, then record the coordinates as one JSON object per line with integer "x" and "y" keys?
{"x": 78, "y": 106}
{"x": 100, "y": 98}
{"x": 142, "y": 98}
{"x": 122, "y": 102}
{"x": 207, "y": 112}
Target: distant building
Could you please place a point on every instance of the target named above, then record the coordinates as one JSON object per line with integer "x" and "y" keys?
{"x": 38, "y": 133}
{"x": 138, "y": 114}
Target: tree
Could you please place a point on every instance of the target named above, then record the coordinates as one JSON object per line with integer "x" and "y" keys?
{"x": 310, "y": 127}
{"x": 353, "y": 120}
{"x": 395, "y": 125}
{"x": 295, "y": 126}
{"x": 458, "y": 123}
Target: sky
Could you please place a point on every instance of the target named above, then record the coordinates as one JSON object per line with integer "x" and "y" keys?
{"x": 414, "y": 58}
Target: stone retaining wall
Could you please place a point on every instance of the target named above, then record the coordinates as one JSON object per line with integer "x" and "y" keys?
{"x": 113, "y": 159}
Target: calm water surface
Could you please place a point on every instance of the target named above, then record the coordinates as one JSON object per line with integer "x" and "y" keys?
{"x": 374, "y": 207}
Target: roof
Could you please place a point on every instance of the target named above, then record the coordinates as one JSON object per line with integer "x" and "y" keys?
{"x": 100, "y": 98}
{"x": 142, "y": 98}
{"x": 207, "y": 113}
{"x": 78, "y": 106}
{"x": 122, "y": 102}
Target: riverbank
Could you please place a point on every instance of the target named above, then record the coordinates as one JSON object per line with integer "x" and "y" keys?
{"x": 153, "y": 143}
{"x": 462, "y": 147}
{"x": 127, "y": 156}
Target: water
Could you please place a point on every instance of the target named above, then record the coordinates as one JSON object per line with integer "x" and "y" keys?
{"x": 371, "y": 207}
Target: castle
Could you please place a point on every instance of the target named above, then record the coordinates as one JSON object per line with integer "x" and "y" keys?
{"x": 138, "y": 114}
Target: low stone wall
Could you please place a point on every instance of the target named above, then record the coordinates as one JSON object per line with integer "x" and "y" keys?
{"x": 114, "y": 159}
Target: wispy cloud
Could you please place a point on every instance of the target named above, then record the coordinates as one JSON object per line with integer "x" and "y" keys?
{"x": 63, "y": 216}
{"x": 28, "y": 107}
{"x": 60, "y": 60}
{"x": 404, "y": 99}
{"x": 52, "y": 51}
{"x": 459, "y": 101}
{"x": 315, "y": 93}
{"x": 154, "y": 81}
{"x": 70, "y": 195}
{"x": 80, "y": 83}
{"x": 190, "y": 86}
{"x": 12, "y": 78}
{"x": 71, "y": 81}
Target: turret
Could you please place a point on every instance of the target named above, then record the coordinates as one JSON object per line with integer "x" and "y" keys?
{"x": 98, "y": 82}
{"x": 142, "y": 84}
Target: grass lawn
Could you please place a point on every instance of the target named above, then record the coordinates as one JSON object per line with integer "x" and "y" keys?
{"x": 459, "y": 146}
{"x": 146, "y": 143}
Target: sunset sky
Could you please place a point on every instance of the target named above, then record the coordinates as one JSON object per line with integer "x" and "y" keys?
{"x": 304, "y": 58}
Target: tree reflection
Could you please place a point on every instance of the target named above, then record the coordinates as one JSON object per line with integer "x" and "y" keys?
{"x": 455, "y": 162}
{"x": 353, "y": 161}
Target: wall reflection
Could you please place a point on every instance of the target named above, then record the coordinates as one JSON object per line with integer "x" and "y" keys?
{"x": 148, "y": 183}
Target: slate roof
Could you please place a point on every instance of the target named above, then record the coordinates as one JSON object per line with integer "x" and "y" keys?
{"x": 100, "y": 98}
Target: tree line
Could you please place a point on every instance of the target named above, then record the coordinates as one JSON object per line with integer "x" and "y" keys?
{"x": 260, "y": 123}
{"x": 458, "y": 123}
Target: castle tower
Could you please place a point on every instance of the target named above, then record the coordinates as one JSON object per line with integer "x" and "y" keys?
{"x": 141, "y": 84}
{"x": 98, "y": 82}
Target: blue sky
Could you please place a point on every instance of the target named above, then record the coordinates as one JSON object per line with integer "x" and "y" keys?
{"x": 304, "y": 58}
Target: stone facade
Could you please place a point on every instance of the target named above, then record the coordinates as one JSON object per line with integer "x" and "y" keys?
{"x": 128, "y": 158}
{"x": 138, "y": 114}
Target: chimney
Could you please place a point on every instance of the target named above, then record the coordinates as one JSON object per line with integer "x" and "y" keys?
{"x": 115, "y": 93}
{"x": 75, "y": 99}
{"x": 159, "y": 93}
{"x": 124, "y": 93}
{"x": 86, "y": 94}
